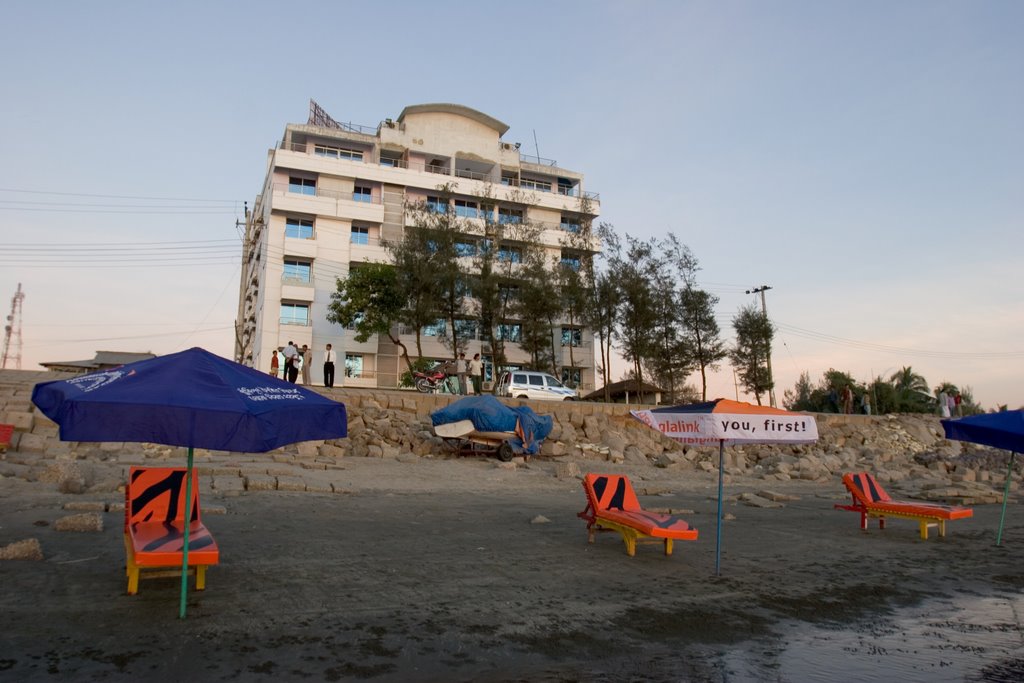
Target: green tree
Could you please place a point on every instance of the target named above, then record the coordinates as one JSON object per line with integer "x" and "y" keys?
{"x": 631, "y": 272}
{"x": 538, "y": 308}
{"x": 443, "y": 239}
{"x": 370, "y": 301}
{"x": 605, "y": 301}
{"x": 911, "y": 391}
{"x": 749, "y": 355}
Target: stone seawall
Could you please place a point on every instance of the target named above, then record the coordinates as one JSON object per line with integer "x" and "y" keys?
{"x": 907, "y": 452}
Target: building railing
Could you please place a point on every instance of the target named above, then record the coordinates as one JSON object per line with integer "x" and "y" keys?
{"x": 285, "y": 188}
{"x": 423, "y": 167}
{"x": 540, "y": 161}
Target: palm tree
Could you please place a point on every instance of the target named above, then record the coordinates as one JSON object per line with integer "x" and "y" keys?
{"x": 913, "y": 394}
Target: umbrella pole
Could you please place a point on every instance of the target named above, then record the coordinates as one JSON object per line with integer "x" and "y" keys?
{"x": 184, "y": 547}
{"x": 1006, "y": 494}
{"x": 718, "y": 539}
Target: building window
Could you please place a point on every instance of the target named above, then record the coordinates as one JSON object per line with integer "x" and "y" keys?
{"x": 572, "y": 336}
{"x": 513, "y": 254}
{"x": 570, "y": 223}
{"x": 571, "y": 260}
{"x": 510, "y": 216}
{"x": 360, "y": 235}
{"x": 538, "y": 185}
{"x": 356, "y": 319}
{"x": 509, "y": 180}
{"x": 434, "y": 330}
{"x": 510, "y": 332}
{"x": 362, "y": 194}
{"x": 353, "y": 365}
{"x": 298, "y": 228}
{"x": 390, "y": 160}
{"x": 295, "y": 314}
{"x": 465, "y": 248}
{"x": 571, "y": 377}
{"x": 337, "y": 152}
{"x": 466, "y": 329}
{"x": 565, "y": 186}
{"x": 466, "y": 209}
{"x": 437, "y": 205}
{"x": 299, "y": 271}
{"x": 302, "y": 185}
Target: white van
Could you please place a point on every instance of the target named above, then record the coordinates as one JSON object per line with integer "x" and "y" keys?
{"x": 539, "y": 386}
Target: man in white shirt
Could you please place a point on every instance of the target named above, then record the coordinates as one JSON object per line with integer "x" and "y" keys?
{"x": 329, "y": 367}
{"x": 291, "y": 373}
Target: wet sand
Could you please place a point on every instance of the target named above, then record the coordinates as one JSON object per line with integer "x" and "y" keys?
{"x": 437, "y": 571}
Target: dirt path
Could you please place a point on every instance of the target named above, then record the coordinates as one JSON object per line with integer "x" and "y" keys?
{"x": 434, "y": 571}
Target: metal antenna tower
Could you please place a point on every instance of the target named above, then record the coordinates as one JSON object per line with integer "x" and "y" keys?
{"x": 12, "y": 330}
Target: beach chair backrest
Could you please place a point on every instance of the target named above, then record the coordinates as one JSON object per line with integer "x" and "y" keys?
{"x": 865, "y": 488}
{"x": 610, "y": 492}
{"x": 157, "y": 494}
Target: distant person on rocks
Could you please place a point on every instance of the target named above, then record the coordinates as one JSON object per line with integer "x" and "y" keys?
{"x": 958, "y": 404}
{"x": 847, "y": 400}
{"x": 307, "y": 362}
{"x": 291, "y": 370}
{"x": 865, "y": 402}
{"x": 833, "y": 400}
{"x": 274, "y": 363}
{"x": 462, "y": 370}
{"x": 476, "y": 371}
{"x": 329, "y": 367}
{"x": 943, "y": 404}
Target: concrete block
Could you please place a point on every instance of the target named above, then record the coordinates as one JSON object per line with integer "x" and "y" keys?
{"x": 84, "y": 522}
{"x": 291, "y": 484}
{"x": 28, "y": 549}
{"x": 260, "y": 482}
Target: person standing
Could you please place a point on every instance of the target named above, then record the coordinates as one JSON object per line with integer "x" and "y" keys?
{"x": 291, "y": 354}
{"x": 307, "y": 361}
{"x": 943, "y": 404}
{"x": 274, "y": 363}
{"x": 958, "y": 404}
{"x": 847, "y": 400}
{"x": 462, "y": 369}
{"x": 476, "y": 369}
{"x": 329, "y": 367}
{"x": 865, "y": 402}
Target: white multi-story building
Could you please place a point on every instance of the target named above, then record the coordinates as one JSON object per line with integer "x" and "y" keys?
{"x": 333, "y": 191}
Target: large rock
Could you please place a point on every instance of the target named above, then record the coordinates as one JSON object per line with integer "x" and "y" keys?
{"x": 29, "y": 549}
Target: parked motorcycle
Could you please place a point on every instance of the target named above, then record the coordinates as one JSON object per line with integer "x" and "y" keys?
{"x": 432, "y": 381}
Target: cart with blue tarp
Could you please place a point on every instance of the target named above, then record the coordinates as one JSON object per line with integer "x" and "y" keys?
{"x": 482, "y": 425}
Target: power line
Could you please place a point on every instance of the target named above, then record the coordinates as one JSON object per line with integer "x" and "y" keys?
{"x": 116, "y": 196}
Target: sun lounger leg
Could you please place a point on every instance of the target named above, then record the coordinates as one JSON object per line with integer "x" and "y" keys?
{"x": 201, "y": 577}
{"x": 864, "y": 521}
{"x": 923, "y": 524}
{"x": 668, "y": 546}
{"x": 881, "y": 522}
{"x": 942, "y": 528}
{"x": 629, "y": 538}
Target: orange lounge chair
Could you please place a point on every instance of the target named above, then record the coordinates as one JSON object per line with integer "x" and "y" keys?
{"x": 6, "y": 434}
{"x": 612, "y": 506}
{"x": 871, "y": 500}
{"x": 154, "y": 515}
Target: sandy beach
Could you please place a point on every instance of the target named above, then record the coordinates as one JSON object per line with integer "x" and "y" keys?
{"x": 462, "y": 569}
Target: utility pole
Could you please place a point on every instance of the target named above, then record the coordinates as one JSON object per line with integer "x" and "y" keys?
{"x": 12, "y": 330}
{"x": 764, "y": 310}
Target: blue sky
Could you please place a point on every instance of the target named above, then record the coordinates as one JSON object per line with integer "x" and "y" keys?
{"x": 864, "y": 159}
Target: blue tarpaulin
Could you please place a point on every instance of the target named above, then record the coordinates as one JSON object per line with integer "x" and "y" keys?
{"x": 527, "y": 429}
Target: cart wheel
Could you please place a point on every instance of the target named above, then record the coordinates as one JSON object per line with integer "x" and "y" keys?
{"x": 423, "y": 386}
{"x": 505, "y": 451}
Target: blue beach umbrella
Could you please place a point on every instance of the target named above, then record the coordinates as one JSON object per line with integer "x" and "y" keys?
{"x": 1000, "y": 430}
{"x": 193, "y": 399}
